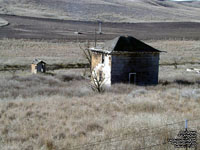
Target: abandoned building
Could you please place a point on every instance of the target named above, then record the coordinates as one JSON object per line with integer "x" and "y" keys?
{"x": 125, "y": 59}
{"x": 38, "y": 66}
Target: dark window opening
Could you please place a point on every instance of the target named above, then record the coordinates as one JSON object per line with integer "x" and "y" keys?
{"x": 103, "y": 58}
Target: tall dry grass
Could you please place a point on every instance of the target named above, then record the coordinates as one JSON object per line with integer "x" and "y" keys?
{"x": 61, "y": 112}
{"x": 43, "y": 85}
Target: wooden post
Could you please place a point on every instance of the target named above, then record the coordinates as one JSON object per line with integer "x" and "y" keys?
{"x": 100, "y": 29}
{"x": 186, "y": 126}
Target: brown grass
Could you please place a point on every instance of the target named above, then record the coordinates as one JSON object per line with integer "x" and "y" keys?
{"x": 40, "y": 85}
{"x": 182, "y": 52}
{"x": 23, "y": 52}
{"x": 60, "y": 112}
{"x": 14, "y": 52}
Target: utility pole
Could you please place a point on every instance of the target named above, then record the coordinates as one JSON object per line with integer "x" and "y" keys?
{"x": 100, "y": 27}
{"x": 95, "y": 38}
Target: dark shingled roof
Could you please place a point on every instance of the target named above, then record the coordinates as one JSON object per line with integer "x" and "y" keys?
{"x": 127, "y": 44}
{"x": 37, "y": 61}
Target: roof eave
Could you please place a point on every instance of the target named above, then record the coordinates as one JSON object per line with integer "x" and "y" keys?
{"x": 115, "y": 52}
{"x": 128, "y": 52}
{"x": 100, "y": 50}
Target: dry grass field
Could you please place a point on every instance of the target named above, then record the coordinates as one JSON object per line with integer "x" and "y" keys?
{"x": 182, "y": 52}
{"x": 59, "y": 111}
{"x": 23, "y": 52}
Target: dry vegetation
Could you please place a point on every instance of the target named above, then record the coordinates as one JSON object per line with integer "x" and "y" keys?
{"x": 182, "y": 52}
{"x": 59, "y": 110}
{"x": 22, "y": 52}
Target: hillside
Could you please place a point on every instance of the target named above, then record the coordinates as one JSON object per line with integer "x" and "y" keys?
{"x": 106, "y": 10}
{"x": 3, "y": 22}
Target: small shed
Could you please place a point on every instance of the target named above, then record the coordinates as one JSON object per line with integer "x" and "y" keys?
{"x": 126, "y": 59}
{"x": 38, "y": 66}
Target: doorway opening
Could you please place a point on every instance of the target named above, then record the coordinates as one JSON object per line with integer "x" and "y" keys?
{"x": 132, "y": 78}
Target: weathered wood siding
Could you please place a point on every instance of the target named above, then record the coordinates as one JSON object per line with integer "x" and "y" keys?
{"x": 33, "y": 68}
{"x": 145, "y": 65}
{"x": 40, "y": 67}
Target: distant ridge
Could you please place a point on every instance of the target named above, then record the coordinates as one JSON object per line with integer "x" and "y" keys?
{"x": 106, "y": 10}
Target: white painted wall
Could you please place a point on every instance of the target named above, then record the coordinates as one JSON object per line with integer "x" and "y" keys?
{"x": 106, "y": 69}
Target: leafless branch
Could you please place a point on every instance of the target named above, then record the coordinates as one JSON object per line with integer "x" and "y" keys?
{"x": 86, "y": 52}
{"x": 97, "y": 82}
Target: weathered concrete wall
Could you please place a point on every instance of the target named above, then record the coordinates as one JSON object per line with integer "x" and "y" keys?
{"x": 105, "y": 67}
{"x": 96, "y": 59}
{"x": 146, "y": 67}
{"x": 107, "y": 70}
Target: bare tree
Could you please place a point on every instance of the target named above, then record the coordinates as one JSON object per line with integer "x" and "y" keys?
{"x": 87, "y": 52}
{"x": 97, "y": 80}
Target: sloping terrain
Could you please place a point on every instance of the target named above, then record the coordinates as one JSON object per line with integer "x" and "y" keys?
{"x": 106, "y": 10}
{"x": 21, "y": 27}
{"x": 3, "y": 22}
